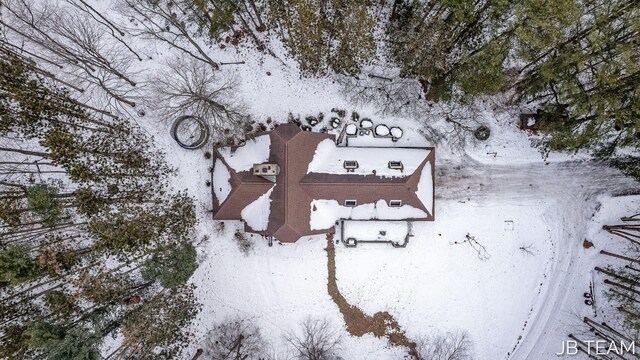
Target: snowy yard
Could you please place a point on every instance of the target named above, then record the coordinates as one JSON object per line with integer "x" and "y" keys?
{"x": 503, "y": 261}
{"x": 434, "y": 285}
{"x": 395, "y": 231}
{"x": 509, "y": 300}
{"x": 529, "y": 216}
{"x": 508, "y": 297}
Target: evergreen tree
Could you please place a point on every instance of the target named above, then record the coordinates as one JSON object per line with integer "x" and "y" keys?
{"x": 582, "y": 68}
{"x": 326, "y": 36}
{"x": 451, "y": 44}
{"x": 90, "y": 149}
{"x": 17, "y": 265}
{"x": 10, "y": 212}
{"x": 61, "y": 292}
{"x": 14, "y": 344}
{"x": 42, "y": 201}
{"x": 160, "y": 324}
{"x": 27, "y": 106}
{"x": 172, "y": 265}
{"x": 230, "y": 17}
{"x": 61, "y": 303}
{"x": 629, "y": 165}
{"x": 60, "y": 344}
{"x": 132, "y": 228}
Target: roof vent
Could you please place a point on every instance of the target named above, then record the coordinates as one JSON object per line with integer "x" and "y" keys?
{"x": 350, "y": 165}
{"x": 267, "y": 171}
{"x": 396, "y": 165}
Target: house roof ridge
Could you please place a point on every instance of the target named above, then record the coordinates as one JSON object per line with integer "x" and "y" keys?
{"x": 365, "y": 183}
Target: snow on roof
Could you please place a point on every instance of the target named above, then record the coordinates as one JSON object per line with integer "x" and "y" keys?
{"x": 324, "y": 213}
{"x": 221, "y": 181}
{"x": 329, "y": 159}
{"x": 256, "y": 214}
{"x": 425, "y": 188}
{"x": 254, "y": 151}
{"x": 373, "y": 230}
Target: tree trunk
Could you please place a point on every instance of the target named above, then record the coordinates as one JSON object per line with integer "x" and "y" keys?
{"x": 612, "y": 274}
{"x": 27, "y": 152}
{"x": 604, "y": 252}
{"x": 609, "y": 282}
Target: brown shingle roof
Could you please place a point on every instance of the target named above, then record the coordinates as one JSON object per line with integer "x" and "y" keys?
{"x": 291, "y": 197}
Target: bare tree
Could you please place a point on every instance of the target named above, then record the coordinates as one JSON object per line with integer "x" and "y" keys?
{"x": 282, "y": 352}
{"x": 382, "y": 86}
{"x": 114, "y": 29}
{"x": 451, "y": 346}
{"x": 318, "y": 340}
{"x": 69, "y": 42}
{"x": 461, "y": 121}
{"x": 167, "y": 22}
{"x": 527, "y": 249}
{"x": 235, "y": 339}
{"x": 191, "y": 87}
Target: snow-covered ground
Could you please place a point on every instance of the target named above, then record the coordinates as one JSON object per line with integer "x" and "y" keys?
{"x": 435, "y": 285}
{"x": 516, "y": 298}
{"x": 522, "y": 293}
{"x": 530, "y": 216}
{"x": 564, "y": 304}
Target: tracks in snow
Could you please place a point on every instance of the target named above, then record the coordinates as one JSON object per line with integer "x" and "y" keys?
{"x": 570, "y": 190}
{"x": 527, "y": 182}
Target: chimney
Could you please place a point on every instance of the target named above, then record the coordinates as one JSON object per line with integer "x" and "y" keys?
{"x": 267, "y": 171}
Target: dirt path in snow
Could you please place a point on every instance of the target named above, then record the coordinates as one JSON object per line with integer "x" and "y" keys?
{"x": 570, "y": 191}
{"x": 358, "y": 323}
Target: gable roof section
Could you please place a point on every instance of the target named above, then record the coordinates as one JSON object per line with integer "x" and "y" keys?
{"x": 369, "y": 188}
{"x": 292, "y": 149}
{"x": 245, "y": 188}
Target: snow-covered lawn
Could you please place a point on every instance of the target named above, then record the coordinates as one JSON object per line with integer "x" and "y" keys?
{"x": 517, "y": 296}
{"x": 434, "y": 285}
{"x": 430, "y": 286}
{"x": 522, "y": 293}
{"x": 276, "y": 287}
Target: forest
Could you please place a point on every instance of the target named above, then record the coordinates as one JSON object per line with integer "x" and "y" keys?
{"x": 97, "y": 243}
